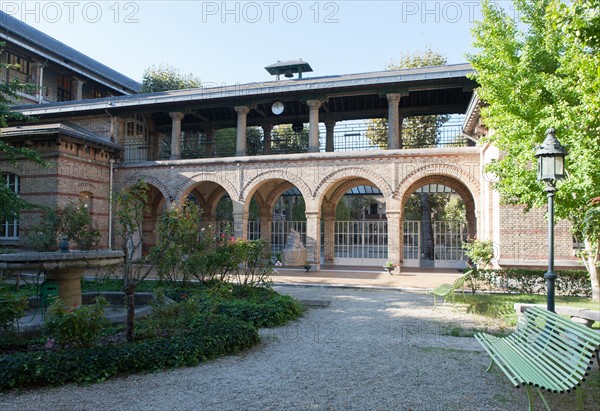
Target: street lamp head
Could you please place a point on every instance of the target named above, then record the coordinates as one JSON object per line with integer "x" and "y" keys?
{"x": 551, "y": 158}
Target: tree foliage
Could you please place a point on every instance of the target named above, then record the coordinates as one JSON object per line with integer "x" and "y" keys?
{"x": 417, "y": 131}
{"x": 165, "y": 77}
{"x": 285, "y": 140}
{"x": 72, "y": 221}
{"x": 537, "y": 73}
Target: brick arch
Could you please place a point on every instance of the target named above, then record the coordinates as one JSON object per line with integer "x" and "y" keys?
{"x": 191, "y": 181}
{"x": 253, "y": 185}
{"x": 148, "y": 179}
{"x": 452, "y": 171}
{"x": 330, "y": 182}
{"x": 459, "y": 187}
{"x": 343, "y": 188}
{"x": 213, "y": 200}
{"x": 275, "y": 193}
{"x": 200, "y": 198}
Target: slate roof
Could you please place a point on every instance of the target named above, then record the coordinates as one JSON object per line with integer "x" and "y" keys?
{"x": 66, "y": 129}
{"x": 326, "y": 84}
{"x": 11, "y": 27}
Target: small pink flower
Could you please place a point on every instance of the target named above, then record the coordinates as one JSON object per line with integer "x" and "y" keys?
{"x": 49, "y": 343}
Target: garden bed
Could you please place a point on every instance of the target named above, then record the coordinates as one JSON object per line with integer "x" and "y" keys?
{"x": 204, "y": 321}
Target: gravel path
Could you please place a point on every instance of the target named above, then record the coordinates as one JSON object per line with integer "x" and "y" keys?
{"x": 368, "y": 350}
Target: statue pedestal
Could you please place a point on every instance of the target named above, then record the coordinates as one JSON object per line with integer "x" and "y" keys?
{"x": 294, "y": 258}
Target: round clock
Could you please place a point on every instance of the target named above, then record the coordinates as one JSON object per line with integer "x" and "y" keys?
{"x": 277, "y": 108}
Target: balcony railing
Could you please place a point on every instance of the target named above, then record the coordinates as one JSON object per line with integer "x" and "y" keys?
{"x": 359, "y": 135}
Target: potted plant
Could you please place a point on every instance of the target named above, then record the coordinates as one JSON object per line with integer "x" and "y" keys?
{"x": 307, "y": 265}
{"x": 389, "y": 266}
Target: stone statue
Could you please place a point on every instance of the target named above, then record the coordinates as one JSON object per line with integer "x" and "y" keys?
{"x": 294, "y": 252}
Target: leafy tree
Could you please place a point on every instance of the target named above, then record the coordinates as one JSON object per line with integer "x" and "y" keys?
{"x": 166, "y": 77}
{"x": 131, "y": 206}
{"x": 226, "y": 140}
{"x": 417, "y": 131}
{"x": 285, "y": 140}
{"x": 10, "y": 202}
{"x": 538, "y": 73}
{"x": 72, "y": 221}
{"x": 178, "y": 231}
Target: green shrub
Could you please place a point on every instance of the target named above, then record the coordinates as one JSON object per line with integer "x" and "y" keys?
{"x": 72, "y": 221}
{"x": 213, "y": 336}
{"x": 261, "y": 307}
{"x": 76, "y": 327}
{"x": 480, "y": 252}
{"x": 527, "y": 281}
{"x": 167, "y": 319}
{"x": 12, "y": 309}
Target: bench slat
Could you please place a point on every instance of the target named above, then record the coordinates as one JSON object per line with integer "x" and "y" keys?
{"x": 545, "y": 350}
{"x": 547, "y": 375}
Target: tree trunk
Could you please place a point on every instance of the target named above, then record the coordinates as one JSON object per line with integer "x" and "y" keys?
{"x": 427, "y": 227}
{"x": 592, "y": 260}
{"x": 130, "y": 295}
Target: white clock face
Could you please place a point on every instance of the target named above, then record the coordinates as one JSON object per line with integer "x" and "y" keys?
{"x": 277, "y": 108}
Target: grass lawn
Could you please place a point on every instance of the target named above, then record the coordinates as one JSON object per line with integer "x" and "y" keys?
{"x": 502, "y": 305}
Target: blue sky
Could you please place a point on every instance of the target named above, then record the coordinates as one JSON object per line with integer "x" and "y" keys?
{"x": 232, "y": 42}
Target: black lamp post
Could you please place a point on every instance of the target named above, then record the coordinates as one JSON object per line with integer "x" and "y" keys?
{"x": 551, "y": 167}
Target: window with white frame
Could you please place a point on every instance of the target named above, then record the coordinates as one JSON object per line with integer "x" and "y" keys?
{"x": 10, "y": 227}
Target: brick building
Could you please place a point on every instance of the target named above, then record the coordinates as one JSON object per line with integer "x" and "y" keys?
{"x": 211, "y": 144}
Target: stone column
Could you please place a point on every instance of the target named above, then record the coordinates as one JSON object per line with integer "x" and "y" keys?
{"x": 313, "y": 238}
{"x": 241, "y": 145}
{"x": 329, "y": 126}
{"x": 40, "y": 85}
{"x": 176, "y": 135}
{"x": 393, "y": 121}
{"x": 394, "y": 239}
{"x": 267, "y": 129}
{"x": 400, "y": 120}
{"x": 313, "y": 129}
{"x": 78, "y": 89}
{"x": 210, "y": 142}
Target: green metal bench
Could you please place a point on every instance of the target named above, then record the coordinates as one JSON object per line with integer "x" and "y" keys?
{"x": 546, "y": 351}
{"x": 445, "y": 290}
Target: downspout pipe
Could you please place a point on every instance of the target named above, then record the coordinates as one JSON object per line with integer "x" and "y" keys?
{"x": 110, "y": 203}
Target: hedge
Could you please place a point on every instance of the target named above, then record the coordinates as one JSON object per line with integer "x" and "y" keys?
{"x": 211, "y": 338}
{"x": 526, "y": 281}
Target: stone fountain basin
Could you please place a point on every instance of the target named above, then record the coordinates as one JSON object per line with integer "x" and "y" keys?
{"x": 65, "y": 269}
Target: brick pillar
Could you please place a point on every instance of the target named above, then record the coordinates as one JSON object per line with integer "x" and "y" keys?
{"x": 176, "y": 135}
{"x": 241, "y": 145}
{"x": 240, "y": 220}
{"x": 313, "y": 129}
{"x": 266, "y": 221}
{"x": 394, "y": 238}
{"x": 329, "y": 233}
